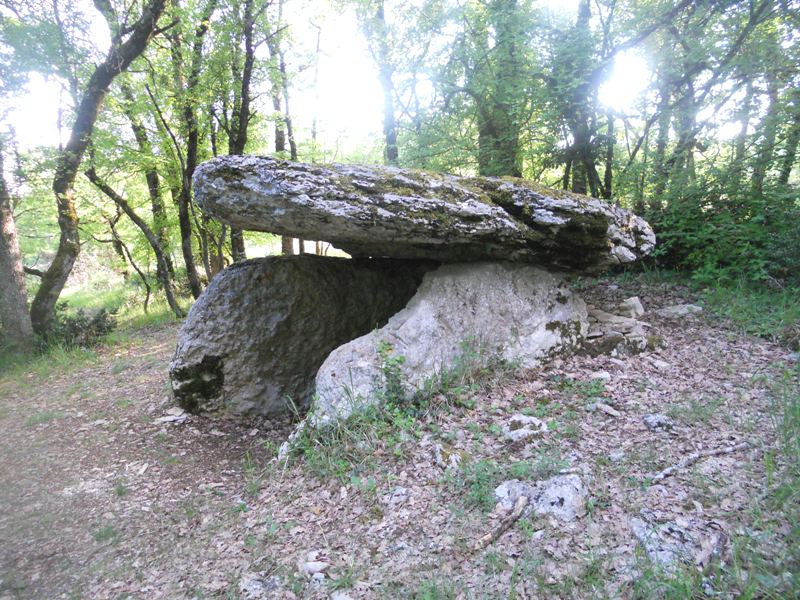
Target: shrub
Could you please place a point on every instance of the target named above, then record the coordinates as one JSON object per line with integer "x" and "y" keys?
{"x": 723, "y": 235}
{"x": 80, "y": 329}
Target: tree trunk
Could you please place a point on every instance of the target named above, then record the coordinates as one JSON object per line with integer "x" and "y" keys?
{"x": 162, "y": 272}
{"x": 382, "y": 57}
{"x": 608, "y": 174}
{"x": 280, "y": 88}
{"x": 69, "y": 159}
{"x": 157, "y": 206}
{"x": 287, "y": 115}
{"x": 792, "y": 139}
{"x": 664, "y": 118}
{"x": 766, "y": 150}
{"x": 188, "y": 106}
{"x": 240, "y": 118}
{"x": 14, "y": 315}
{"x": 740, "y": 142}
{"x": 499, "y": 104}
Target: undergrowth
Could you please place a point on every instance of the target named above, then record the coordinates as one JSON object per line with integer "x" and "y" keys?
{"x": 769, "y": 309}
{"x": 85, "y": 319}
{"x": 769, "y": 313}
{"x": 764, "y": 557}
{"x": 396, "y": 416}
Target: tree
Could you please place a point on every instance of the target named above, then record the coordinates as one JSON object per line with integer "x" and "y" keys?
{"x": 14, "y": 315}
{"x": 128, "y": 43}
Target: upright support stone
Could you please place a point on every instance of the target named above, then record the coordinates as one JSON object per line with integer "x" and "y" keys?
{"x": 254, "y": 340}
{"x": 461, "y": 314}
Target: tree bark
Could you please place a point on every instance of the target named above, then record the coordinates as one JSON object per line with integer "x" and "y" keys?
{"x": 188, "y": 106}
{"x": 498, "y": 104}
{"x": 608, "y": 175}
{"x": 664, "y": 118}
{"x": 792, "y": 139}
{"x": 69, "y": 159}
{"x": 14, "y": 315}
{"x": 240, "y": 117}
{"x": 157, "y": 206}
{"x": 162, "y": 272}
{"x": 766, "y": 149}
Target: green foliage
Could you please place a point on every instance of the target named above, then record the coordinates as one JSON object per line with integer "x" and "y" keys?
{"x": 393, "y": 389}
{"x": 346, "y": 448}
{"x": 757, "y": 309}
{"x": 80, "y": 328}
{"x": 698, "y": 231}
{"x": 105, "y": 533}
{"x": 42, "y": 417}
{"x": 476, "y": 481}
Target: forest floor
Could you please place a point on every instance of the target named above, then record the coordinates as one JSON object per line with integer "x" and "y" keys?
{"x": 104, "y": 497}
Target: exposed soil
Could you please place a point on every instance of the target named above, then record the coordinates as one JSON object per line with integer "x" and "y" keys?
{"x": 98, "y": 499}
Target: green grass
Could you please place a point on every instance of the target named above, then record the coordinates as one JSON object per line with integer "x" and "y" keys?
{"x": 104, "y": 534}
{"x": 127, "y": 299}
{"x": 42, "y": 417}
{"x": 56, "y": 358}
{"x": 474, "y": 483}
{"x": 764, "y": 558}
{"x": 771, "y": 314}
{"x": 696, "y": 411}
{"x": 347, "y": 448}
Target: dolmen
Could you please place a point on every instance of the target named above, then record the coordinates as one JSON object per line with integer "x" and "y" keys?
{"x": 443, "y": 269}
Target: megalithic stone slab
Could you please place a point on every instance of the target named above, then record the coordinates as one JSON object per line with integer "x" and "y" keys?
{"x": 256, "y": 337}
{"x": 461, "y": 315}
{"x": 400, "y": 213}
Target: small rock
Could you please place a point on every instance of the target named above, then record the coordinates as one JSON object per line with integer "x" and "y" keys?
{"x": 631, "y": 307}
{"x": 398, "y": 496}
{"x": 562, "y": 496}
{"x": 601, "y": 375}
{"x": 678, "y": 310}
{"x": 616, "y": 456}
{"x": 171, "y": 417}
{"x": 340, "y": 596}
{"x": 254, "y": 586}
{"x": 658, "y": 422}
{"x": 522, "y": 427}
{"x": 604, "y": 408}
{"x": 688, "y": 540}
{"x": 314, "y": 566}
{"x": 660, "y": 364}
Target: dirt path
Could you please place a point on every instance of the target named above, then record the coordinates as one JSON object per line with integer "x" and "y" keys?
{"x": 98, "y": 499}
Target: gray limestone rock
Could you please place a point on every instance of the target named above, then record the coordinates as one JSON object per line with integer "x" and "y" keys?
{"x": 461, "y": 312}
{"x": 631, "y": 307}
{"x": 562, "y": 496}
{"x": 679, "y": 310}
{"x": 615, "y": 335}
{"x": 658, "y": 422}
{"x": 521, "y": 428}
{"x": 398, "y": 213}
{"x": 263, "y": 327}
{"x": 689, "y": 540}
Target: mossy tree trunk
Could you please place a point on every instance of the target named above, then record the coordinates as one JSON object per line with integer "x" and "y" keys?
{"x": 13, "y": 300}
{"x": 119, "y": 57}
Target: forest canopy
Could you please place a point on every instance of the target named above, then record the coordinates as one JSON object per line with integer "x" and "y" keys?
{"x": 704, "y": 145}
